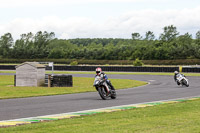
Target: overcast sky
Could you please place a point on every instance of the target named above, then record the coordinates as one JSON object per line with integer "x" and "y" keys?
{"x": 98, "y": 18}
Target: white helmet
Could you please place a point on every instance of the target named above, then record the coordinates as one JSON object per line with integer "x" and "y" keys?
{"x": 176, "y": 72}
{"x": 98, "y": 70}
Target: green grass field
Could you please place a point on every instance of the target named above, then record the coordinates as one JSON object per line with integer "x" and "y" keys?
{"x": 124, "y": 73}
{"x": 80, "y": 84}
{"x": 165, "y": 118}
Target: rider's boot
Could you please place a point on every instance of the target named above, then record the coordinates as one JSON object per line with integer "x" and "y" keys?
{"x": 112, "y": 89}
{"x": 178, "y": 83}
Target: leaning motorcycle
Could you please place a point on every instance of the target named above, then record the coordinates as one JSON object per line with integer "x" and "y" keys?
{"x": 182, "y": 80}
{"x": 103, "y": 88}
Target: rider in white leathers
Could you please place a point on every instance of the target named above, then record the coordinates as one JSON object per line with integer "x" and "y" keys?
{"x": 176, "y": 73}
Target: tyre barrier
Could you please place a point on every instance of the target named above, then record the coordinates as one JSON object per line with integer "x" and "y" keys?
{"x": 114, "y": 68}
{"x": 191, "y": 69}
{"x": 58, "y": 80}
{"x": 7, "y": 67}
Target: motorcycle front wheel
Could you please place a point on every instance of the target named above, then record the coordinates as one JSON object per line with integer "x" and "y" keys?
{"x": 185, "y": 83}
{"x": 103, "y": 93}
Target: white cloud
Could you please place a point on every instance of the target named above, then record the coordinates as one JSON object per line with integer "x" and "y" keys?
{"x": 25, "y": 3}
{"x": 186, "y": 20}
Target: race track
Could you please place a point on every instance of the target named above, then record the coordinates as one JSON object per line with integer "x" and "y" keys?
{"x": 160, "y": 88}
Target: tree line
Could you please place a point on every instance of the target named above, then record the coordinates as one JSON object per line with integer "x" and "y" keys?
{"x": 43, "y": 45}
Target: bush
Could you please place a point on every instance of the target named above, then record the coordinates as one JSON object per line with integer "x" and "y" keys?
{"x": 105, "y": 62}
{"x": 137, "y": 62}
{"x": 74, "y": 63}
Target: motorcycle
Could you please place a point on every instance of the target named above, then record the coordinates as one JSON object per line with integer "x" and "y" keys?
{"x": 103, "y": 88}
{"x": 182, "y": 80}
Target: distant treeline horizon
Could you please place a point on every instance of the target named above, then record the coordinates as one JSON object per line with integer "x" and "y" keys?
{"x": 169, "y": 46}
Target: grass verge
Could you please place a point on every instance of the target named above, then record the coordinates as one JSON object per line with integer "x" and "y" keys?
{"x": 178, "y": 117}
{"x": 80, "y": 84}
{"x": 125, "y": 73}
{"x": 122, "y": 73}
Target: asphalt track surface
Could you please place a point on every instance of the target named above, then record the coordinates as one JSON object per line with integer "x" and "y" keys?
{"x": 159, "y": 88}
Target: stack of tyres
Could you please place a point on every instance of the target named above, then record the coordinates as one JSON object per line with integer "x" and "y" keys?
{"x": 61, "y": 81}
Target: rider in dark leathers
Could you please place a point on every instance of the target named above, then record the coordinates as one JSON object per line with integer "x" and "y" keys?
{"x": 104, "y": 76}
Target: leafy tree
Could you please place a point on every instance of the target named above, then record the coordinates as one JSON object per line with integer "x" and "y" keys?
{"x": 184, "y": 45}
{"x": 56, "y": 53}
{"x": 136, "y": 36}
{"x": 6, "y": 42}
{"x": 33, "y": 46}
{"x": 41, "y": 41}
{"x": 198, "y": 37}
{"x": 169, "y": 34}
{"x": 149, "y": 35}
{"x": 24, "y": 47}
{"x": 185, "y": 39}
